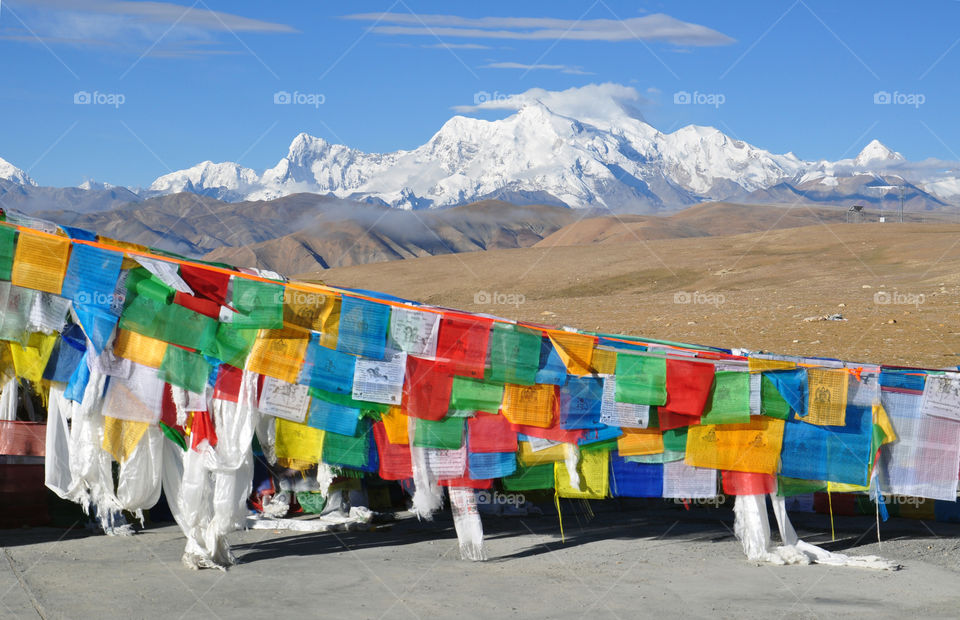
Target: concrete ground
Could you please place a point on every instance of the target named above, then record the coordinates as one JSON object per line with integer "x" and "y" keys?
{"x": 615, "y": 563}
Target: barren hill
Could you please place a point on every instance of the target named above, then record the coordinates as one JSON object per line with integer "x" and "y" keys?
{"x": 897, "y": 284}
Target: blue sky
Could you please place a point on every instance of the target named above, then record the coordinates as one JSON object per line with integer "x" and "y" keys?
{"x": 175, "y": 83}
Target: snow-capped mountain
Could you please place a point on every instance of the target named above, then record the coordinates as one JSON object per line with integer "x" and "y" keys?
{"x": 227, "y": 181}
{"x": 540, "y": 153}
{"x": 9, "y": 172}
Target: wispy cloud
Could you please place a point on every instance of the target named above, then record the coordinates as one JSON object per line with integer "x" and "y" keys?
{"x": 602, "y": 102}
{"x": 525, "y": 67}
{"x": 656, "y": 27}
{"x": 186, "y": 30}
{"x": 459, "y": 46}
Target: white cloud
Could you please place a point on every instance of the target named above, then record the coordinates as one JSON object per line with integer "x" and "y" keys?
{"x": 170, "y": 29}
{"x": 657, "y": 27}
{"x": 593, "y": 101}
{"x": 519, "y": 65}
{"x": 459, "y": 46}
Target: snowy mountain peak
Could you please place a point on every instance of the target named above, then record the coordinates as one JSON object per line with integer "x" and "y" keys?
{"x": 227, "y": 180}
{"x": 10, "y": 172}
{"x": 876, "y": 152}
{"x": 92, "y": 185}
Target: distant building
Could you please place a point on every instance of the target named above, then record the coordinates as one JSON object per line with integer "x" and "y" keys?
{"x": 855, "y": 214}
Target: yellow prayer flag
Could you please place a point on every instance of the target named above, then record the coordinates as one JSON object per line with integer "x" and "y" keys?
{"x": 395, "y": 423}
{"x": 827, "y": 400}
{"x": 640, "y": 442}
{"x": 761, "y": 365}
{"x": 576, "y": 351}
{"x": 753, "y": 447}
{"x": 298, "y": 441}
{"x": 279, "y": 353}
{"x": 604, "y": 362}
{"x": 30, "y": 361}
{"x": 40, "y": 261}
{"x": 311, "y": 310}
{"x": 528, "y": 456}
{"x": 594, "y": 470}
{"x": 120, "y": 437}
{"x": 530, "y": 405}
{"x": 139, "y": 348}
{"x": 882, "y": 420}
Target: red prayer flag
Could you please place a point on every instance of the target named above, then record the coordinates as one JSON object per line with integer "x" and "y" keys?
{"x": 426, "y": 389}
{"x": 463, "y": 342}
{"x": 745, "y": 483}
{"x": 688, "y": 387}
{"x": 227, "y": 385}
{"x": 202, "y": 428}
{"x": 394, "y": 458}
{"x": 198, "y": 304}
{"x": 206, "y": 283}
{"x": 490, "y": 433}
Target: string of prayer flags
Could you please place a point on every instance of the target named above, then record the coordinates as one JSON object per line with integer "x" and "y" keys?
{"x": 514, "y": 354}
{"x": 363, "y": 327}
{"x": 641, "y": 380}
{"x": 576, "y": 351}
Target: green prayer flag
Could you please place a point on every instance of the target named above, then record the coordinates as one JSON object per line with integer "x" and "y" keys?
{"x": 350, "y": 451}
{"x": 530, "y": 478}
{"x": 641, "y": 380}
{"x": 729, "y": 401}
{"x": 367, "y": 408}
{"x": 231, "y": 345}
{"x": 772, "y": 403}
{"x": 475, "y": 395}
{"x": 675, "y": 440}
{"x": 445, "y": 434}
{"x": 185, "y": 369}
{"x": 8, "y": 246}
{"x": 514, "y": 354}
{"x": 259, "y": 304}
